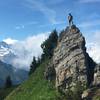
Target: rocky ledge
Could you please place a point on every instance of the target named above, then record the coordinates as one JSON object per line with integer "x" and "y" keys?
{"x": 71, "y": 67}
{"x": 71, "y": 61}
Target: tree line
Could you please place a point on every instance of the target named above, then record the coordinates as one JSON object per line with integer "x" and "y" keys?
{"x": 48, "y": 48}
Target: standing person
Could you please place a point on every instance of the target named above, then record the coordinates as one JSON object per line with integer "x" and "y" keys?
{"x": 70, "y": 19}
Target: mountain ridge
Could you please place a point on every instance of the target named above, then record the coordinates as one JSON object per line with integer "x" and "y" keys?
{"x": 7, "y": 68}
{"x": 72, "y": 65}
{"x": 17, "y": 75}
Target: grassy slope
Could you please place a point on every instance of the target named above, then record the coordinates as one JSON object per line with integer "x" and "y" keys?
{"x": 97, "y": 95}
{"x": 35, "y": 88}
{"x": 5, "y": 92}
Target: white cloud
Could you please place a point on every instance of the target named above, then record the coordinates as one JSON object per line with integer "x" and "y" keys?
{"x": 10, "y": 41}
{"x": 94, "y": 51}
{"x": 19, "y": 27}
{"x": 56, "y": 23}
{"x": 49, "y": 13}
{"x": 89, "y": 23}
{"x": 22, "y": 26}
{"x": 26, "y": 49}
{"x": 89, "y": 1}
{"x": 93, "y": 48}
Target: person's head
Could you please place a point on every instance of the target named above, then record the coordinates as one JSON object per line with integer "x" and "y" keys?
{"x": 70, "y": 14}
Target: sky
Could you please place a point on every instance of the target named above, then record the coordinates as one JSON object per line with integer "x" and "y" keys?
{"x": 21, "y": 20}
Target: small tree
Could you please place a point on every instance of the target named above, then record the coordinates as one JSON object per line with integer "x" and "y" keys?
{"x": 33, "y": 66}
{"x": 38, "y": 61}
{"x": 49, "y": 45}
{"x": 8, "y": 82}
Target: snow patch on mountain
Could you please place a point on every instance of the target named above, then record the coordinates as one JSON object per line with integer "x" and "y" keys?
{"x": 25, "y": 50}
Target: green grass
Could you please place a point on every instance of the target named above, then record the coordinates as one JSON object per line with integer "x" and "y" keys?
{"x": 5, "y": 92}
{"x": 97, "y": 94}
{"x": 35, "y": 88}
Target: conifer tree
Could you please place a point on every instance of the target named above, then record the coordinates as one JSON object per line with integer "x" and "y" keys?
{"x": 49, "y": 45}
{"x": 33, "y": 66}
{"x": 8, "y": 82}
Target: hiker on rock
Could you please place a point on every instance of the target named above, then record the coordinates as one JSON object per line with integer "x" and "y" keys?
{"x": 70, "y": 19}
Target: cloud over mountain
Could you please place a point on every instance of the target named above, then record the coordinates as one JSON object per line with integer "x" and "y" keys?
{"x": 29, "y": 47}
{"x": 93, "y": 47}
{"x": 10, "y": 41}
{"x": 26, "y": 49}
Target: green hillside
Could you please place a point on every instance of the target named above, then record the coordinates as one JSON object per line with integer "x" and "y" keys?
{"x": 5, "y": 92}
{"x": 35, "y": 88}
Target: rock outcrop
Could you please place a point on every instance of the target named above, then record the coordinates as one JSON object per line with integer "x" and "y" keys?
{"x": 71, "y": 61}
{"x": 50, "y": 72}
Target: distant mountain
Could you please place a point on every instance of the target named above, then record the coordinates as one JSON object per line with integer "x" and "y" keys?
{"x": 17, "y": 75}
{"x": 6, "y": 65}
{"x": 6, "y": 53}
{"x": 11, "y": 54}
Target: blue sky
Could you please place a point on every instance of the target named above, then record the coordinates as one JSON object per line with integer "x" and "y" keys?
{"x": 22, "y": 18}
{"x": 28, "y": 23}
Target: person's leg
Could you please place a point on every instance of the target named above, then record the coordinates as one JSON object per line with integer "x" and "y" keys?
{"x": 69, "y": 24}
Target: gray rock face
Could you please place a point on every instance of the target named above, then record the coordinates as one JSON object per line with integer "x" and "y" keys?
{"x": 50, "y": 72}
{"x": 70, "y": 58}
